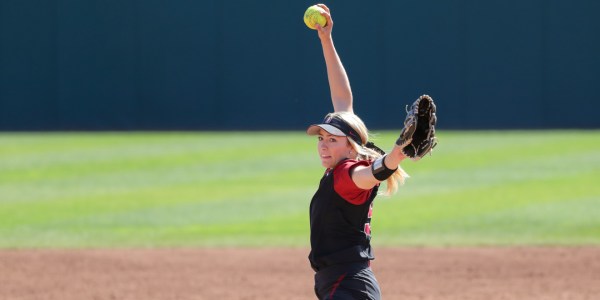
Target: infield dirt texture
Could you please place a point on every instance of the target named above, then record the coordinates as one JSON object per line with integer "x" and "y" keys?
{"x": 404, "y": 273}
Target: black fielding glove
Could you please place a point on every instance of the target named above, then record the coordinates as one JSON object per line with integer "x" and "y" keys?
{"x": 418, "y": 135}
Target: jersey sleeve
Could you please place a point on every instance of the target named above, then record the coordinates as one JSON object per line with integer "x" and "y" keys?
{"x": 345, "y": 186}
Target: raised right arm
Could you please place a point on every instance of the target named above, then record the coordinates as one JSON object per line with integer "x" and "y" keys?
{"x": 339, "y": 85}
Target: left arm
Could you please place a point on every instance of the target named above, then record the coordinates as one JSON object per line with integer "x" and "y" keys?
{"x": 363, "y": 175}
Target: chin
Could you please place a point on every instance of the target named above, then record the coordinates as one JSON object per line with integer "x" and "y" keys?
{"x": 326, "y": 163}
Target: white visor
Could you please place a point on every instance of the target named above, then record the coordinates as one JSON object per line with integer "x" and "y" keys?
{"x": 314, "y": 129}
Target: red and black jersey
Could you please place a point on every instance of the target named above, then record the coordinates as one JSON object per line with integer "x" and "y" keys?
{"x": 340, "y": 218}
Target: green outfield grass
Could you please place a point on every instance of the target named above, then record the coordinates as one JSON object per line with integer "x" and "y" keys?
{"x": 254, "y": 188}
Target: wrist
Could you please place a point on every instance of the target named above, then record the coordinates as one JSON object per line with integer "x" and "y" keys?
{"x": 326, "y": 39}
{"x": 397, "y": 153}
{"x": 380, "y": 169}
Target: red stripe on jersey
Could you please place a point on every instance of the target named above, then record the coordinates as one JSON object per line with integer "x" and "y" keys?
{"x": 345, "y": 186}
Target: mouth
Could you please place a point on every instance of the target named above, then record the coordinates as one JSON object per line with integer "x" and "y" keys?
{"x": 326, "y": 159}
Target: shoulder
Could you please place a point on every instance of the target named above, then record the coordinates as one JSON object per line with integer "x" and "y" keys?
{"x": 348, "y": 165}
{"x": 345, "y": 186}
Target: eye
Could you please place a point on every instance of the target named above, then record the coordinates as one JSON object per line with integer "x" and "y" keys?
{"x": 320, "y": 138}
{"x": 333, "y": 140}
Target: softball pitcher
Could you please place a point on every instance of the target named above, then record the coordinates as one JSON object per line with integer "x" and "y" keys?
{"x": 342, "y": 208}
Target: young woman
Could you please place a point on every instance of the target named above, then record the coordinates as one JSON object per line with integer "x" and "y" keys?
{"x": 341, "y": 209}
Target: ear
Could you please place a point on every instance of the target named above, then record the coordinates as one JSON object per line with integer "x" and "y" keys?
{"x": 351, "y": 152}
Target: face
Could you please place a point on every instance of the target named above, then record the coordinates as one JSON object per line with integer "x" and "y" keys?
{"x": 332, "y": 148}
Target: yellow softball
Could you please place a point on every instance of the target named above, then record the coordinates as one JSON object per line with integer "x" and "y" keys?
{"x": 313, "y": 16}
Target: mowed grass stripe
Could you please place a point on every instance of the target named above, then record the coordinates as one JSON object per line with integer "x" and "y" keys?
{"x": 201, "y": 179}
{"x": 502, "y": 214}
{"x": 253, "y": 188}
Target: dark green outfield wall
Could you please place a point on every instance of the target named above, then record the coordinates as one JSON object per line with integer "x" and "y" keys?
{"x": 183, "y": 64}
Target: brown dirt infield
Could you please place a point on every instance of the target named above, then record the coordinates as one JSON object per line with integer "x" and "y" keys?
{"x": 403, "y": 273}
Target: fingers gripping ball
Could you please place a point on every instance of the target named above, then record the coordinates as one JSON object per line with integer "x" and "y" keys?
{"x": 313, "y": 16}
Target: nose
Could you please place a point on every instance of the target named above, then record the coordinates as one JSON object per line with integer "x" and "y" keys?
{"x": 322, "y": 145}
